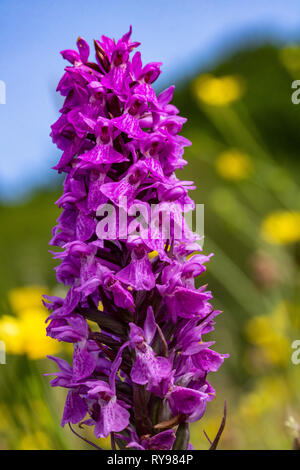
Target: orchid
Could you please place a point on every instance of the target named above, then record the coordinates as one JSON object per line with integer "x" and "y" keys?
{"x": 140, "y": 374}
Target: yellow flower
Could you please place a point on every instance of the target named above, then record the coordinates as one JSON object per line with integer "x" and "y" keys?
{"x": 268, "y": 394}
{"x": 268, "y": 333}
{"x": 10, "y": 333}
{"x": 218, "y": 91}
{"x": 258, "y": 329}
{"x": 26, "y": 333}
{"x": 26, "y": 297}
{"x": 233, "y": 165}
{"x": 281, "y": 227}
{"x": 36, "y": 344}
{"x": 290, "y": 57}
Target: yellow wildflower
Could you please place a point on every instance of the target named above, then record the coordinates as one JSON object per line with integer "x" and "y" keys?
{"x": 268, "y": 333}
{"x": 35, "y": 342}
{"x": 218, "y": 91}
{"x": 281, "y": 227}
{"x": 290, "y": 57}
{"x": 269, "y": 393}
{"x": 26, "y": 297}
{"x": 233, "y": 165}
{"x": 25, "y": 333}
{"x": 11, "y": 334}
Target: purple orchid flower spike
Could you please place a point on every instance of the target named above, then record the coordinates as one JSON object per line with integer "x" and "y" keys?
{"x": 140, "y": 372}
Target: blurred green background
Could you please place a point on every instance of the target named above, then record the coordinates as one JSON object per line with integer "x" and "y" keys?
{"x": 244, "y": 160}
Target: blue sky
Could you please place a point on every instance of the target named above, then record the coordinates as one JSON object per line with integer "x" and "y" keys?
{"x": 180, "y": 33}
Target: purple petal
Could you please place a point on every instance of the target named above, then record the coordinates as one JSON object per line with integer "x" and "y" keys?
{"x": 150, "y": 326}
{"x": 130, "y": 125}
{"x": 138, "y": 274}
{"x": 209, "y": 360}
{"x": 187, "y": 401}
{"x": 85, "y": 227}
{"x": 75, "y": 408}
{"x": 83, "y": 49}
{"x": 84, "y": 364}
{"x": 71, "y": 56}
{"x": 162, "y": 441}
{"x": 113, "y": 418}
{"x": 101, "y": 154}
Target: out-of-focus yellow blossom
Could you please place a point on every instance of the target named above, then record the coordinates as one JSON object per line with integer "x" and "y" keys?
{"x": 36, "y": 344}
{"x": 234, "y": 165}
{"x": 10, "y": 333}
{"x": 270, "y": 393}
{"x": 290, "y": 57}
{"x": 268, "y": 333}
{"x": 281, "y": 227}
{"x": 26, "y": 297}
{"x": 218, "y": 91}
{"x": 35, "y": 441}
{"x": 25, "y": 333}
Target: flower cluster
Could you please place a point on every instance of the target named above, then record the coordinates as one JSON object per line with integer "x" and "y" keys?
{"x": 132, "y": 311}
